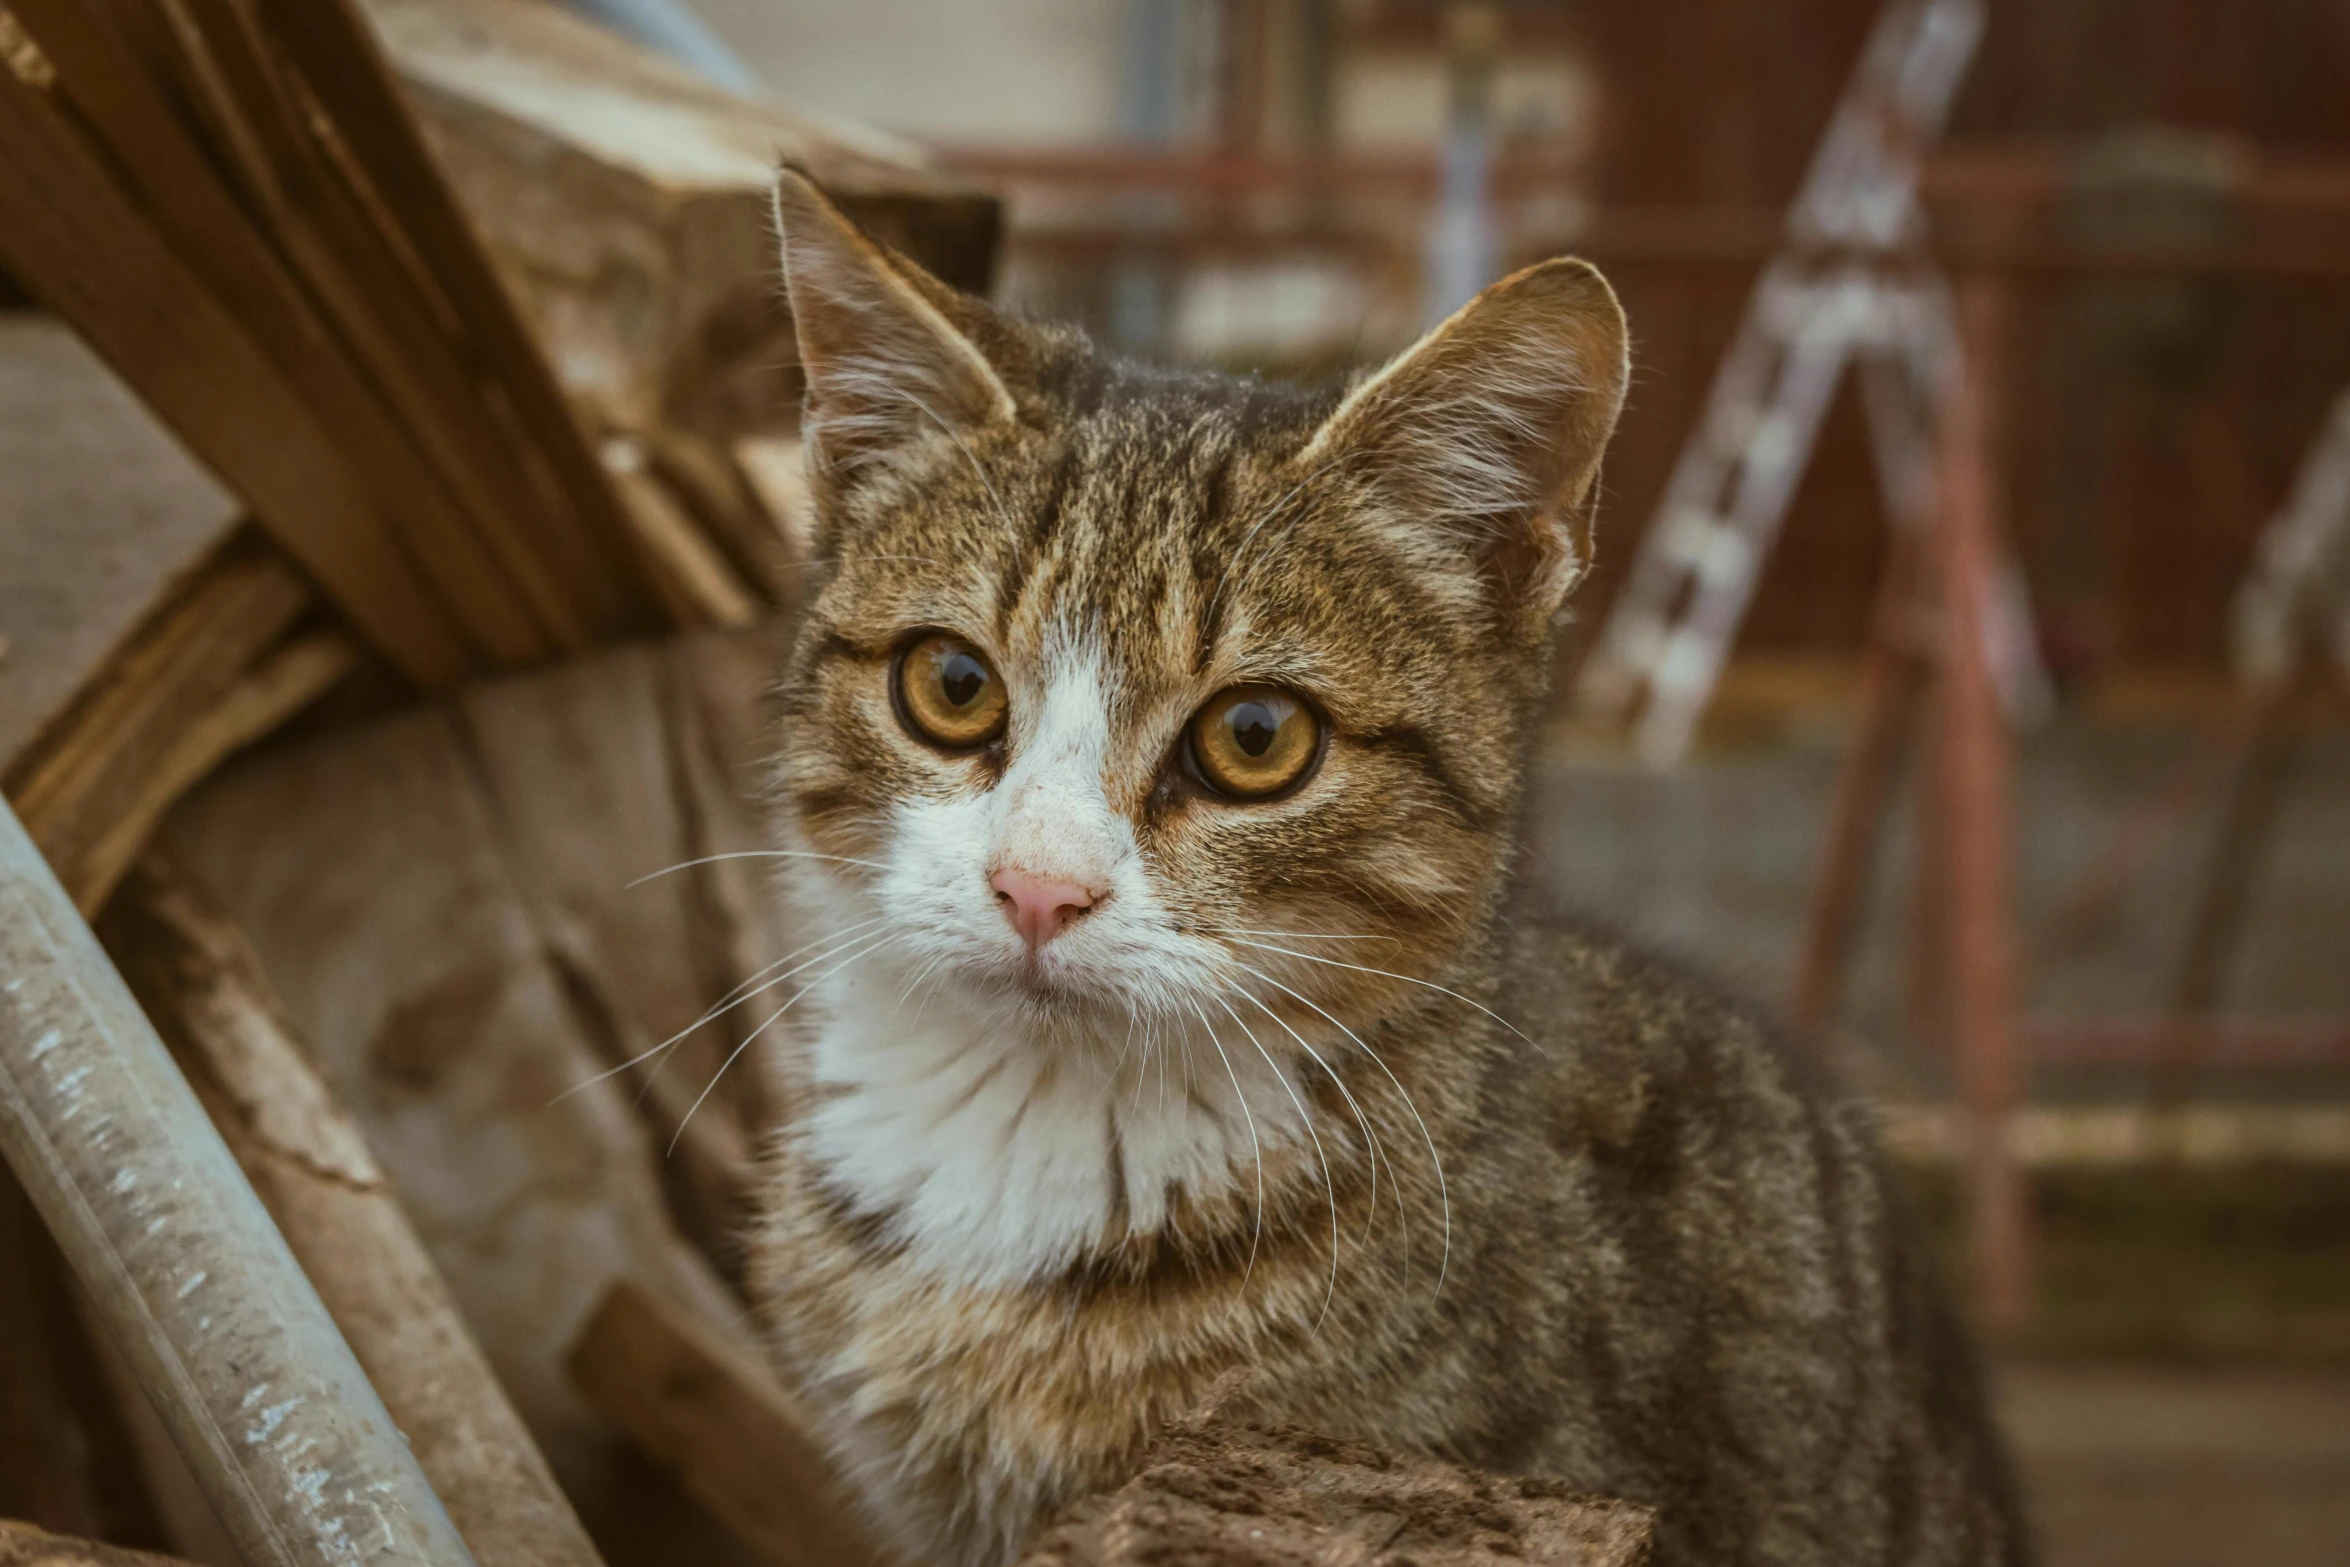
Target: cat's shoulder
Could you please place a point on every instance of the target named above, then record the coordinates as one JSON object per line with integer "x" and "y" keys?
{"x": 1581, "y": 973}
{"x": 1614, "y": 1028}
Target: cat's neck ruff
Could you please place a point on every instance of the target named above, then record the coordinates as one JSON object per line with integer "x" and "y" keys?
{"x": 1002, "y": 1152}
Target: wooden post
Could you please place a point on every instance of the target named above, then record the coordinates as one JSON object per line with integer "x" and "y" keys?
{"x": 731, "y": 1434}
{"x": 1973, "y": 837}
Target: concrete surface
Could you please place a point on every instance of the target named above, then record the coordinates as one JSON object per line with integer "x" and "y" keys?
{"x": 2131, "y": 1467}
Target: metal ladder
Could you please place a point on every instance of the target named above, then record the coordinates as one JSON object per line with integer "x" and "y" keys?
{"x": 2299, "y": 585}
{"x": 1847, "y": 288}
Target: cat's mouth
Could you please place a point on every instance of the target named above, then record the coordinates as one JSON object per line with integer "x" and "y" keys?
{"x": 1048, "y": 977}
{"x": 1055, "y": 983}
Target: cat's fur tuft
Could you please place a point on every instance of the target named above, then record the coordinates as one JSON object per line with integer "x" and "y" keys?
{"x": 1260, "y": 1109}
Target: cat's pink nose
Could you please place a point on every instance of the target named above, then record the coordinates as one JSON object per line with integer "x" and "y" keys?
{"x": 1038, "y": 909}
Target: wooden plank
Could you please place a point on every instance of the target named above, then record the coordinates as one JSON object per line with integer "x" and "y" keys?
{"x": 350, "y": 79}
{"x": 197, "y": 978}
{"x": 101, "y": 516}
{"x": 375, "y": 877}
{"x": 73, "y": 235}
{"x": 400, "y": 327}
{"x": 1209, "y": 1491}
{"x": 709, "y": 482}
{"x": 627, "y": 200}
{"x": 385, "y": 313}
{"x": 692, "y": 577}
{"x": 715, "y": 1418}
{"x": 578, "y": 764}
{"x": 265, "y": 698}
{"x": 186, "y": 688}
{"x": 250, "y": 254}
{"x": 22, "y": 1545}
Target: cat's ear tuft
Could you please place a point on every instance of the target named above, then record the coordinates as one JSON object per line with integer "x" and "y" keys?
{"x": 1484, "y": 438}
{"x": 886, "y": 368}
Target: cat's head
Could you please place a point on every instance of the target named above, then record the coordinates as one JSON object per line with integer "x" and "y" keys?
{"x": 1124, "y": 693}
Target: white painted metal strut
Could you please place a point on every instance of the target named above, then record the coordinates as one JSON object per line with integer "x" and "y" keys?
{"x": 185, "y": 1268}
{"x": 1840, "y": 294}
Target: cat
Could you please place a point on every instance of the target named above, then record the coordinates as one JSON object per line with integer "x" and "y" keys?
{"x": 1150, "y": 759}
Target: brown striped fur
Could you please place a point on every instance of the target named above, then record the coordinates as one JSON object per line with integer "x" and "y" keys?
{"x": 1625, "y": 1239}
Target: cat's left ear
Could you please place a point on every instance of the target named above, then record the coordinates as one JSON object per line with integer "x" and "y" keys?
{"x": 887, "y": 368}
{"x": 1483, "y": 439}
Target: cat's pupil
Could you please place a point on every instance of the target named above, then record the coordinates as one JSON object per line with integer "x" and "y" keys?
{"x": 1253, "y": 727}
{"x": 961, "y": 677}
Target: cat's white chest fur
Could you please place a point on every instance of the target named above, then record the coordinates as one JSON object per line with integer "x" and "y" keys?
{"x": 1002, "y": 1156}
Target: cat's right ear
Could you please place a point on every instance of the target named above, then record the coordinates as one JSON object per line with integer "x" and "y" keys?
{"x": 886, "y": 370}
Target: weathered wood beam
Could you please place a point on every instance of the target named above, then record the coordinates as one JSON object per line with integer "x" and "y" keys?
{"x": 627, "y": 201}
{"x": 1215, "y": 1492}
{"x": 716, "y": 1419}
{"x": 206, "y": 674}
{"x": 201, "y": 985}
{"x": 239, "y": 213}
{"x": 23, "y": 1545}
{"x": 182, "y": 1263}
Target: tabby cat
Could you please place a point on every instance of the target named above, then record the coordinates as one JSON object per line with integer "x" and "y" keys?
{"x": 1151, "y": 759}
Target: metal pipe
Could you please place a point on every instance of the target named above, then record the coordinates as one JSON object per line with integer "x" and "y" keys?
{"x": 282, "y": 1429}
{"x": 1974, "y": 858}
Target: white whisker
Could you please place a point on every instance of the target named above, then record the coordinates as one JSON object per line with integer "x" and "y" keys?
{"x": 1255, "y": 1147}
{"x": 1124, "y": 1050}
{"x": 1434, "y": 1158}
{"x": 1329, "y": 1186}
{"x": 751, "y": 854}
{"x": 751, "y": 984}
{"x": 1307, "y": 935}
{"x": 1370, "y": 1138}
{"x": 832, "y": 941}
{"x": 920, "y": 975}
{"x": 1390, "y": 974}
{"x": 770, "y": 1021}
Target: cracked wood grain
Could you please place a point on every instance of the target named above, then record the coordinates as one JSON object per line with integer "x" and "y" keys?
{"x": 24, "y": 1545}
{"x": 372, "y": 873}
{"x": 200, "y": 983}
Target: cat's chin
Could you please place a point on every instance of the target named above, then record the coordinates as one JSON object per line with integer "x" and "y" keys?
{"x": 1060, "y": 995}
{"x": 1057, "y": 986}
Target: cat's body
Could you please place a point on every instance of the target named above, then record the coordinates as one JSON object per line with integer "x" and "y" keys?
{"x": 1121, "y": 1068}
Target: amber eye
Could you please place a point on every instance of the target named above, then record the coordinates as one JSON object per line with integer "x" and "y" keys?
{"x": 949, "y": 692}
{"x": 1252, "y": 741}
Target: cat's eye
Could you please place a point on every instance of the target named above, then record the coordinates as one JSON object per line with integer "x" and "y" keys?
{"x": 949, "y": 693}
{"x": 1252, "y": 741}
